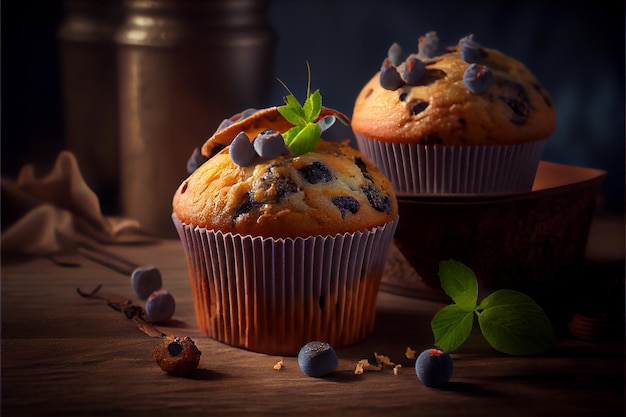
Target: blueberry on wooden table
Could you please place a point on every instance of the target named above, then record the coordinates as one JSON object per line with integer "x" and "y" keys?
{"x": 160, "y": 306}
{"x": 434, "y": 367}
{"x": 145, "y": 280}
{"x": 317, "y": 359}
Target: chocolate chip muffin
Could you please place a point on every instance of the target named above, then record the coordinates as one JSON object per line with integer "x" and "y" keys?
{"x": 277, "y": 235}
{"x": 465, "y": 119}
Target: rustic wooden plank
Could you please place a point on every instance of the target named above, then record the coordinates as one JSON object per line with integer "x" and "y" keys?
{"x": 67, "y": 355}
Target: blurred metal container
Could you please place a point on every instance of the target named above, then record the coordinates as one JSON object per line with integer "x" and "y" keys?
{"x": 184, "y": 66}
{"x": 87, "y": 55}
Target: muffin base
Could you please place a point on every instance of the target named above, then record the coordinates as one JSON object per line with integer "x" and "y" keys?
{"x": 438, "y": 169}
{"x": 275, "y": 295}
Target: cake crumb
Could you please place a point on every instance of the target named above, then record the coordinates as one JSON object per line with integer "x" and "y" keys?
{"x": 396, "y": 369}
{"x": 410, "y": 353}
{"x": 279, "y": 365}
{"x": 383, "y": 360}
{"x": 365, "y": 365}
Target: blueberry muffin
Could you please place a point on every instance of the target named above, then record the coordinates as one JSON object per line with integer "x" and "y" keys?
{"x": 177, "y": 356}
{"x": 467, "y": 119}
{"x": 285, "y": 238}
{"x": 331, "y": 190}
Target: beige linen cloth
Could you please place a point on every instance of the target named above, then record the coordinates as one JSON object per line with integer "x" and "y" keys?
{"x": 51, "y": 215}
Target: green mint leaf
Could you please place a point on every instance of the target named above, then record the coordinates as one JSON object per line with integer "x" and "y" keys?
{"x": 293, "y": 114}
{"x": 514, "y": 324}
{"x": 306, "y": 140}
{"x": 305, "y": 133}
{"x": 451, "y": 326}
{"x": 459, "y": 282}
{"x": 312, "y": 106}
{"x": 291, "y": 134}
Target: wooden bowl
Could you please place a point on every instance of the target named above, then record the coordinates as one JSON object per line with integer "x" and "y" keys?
{"x": 532, "y": 241}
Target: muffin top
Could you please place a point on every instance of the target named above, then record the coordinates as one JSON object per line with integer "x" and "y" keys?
{"x": 268, "y": 173}
{"x": 330, "y": 190}
{"x": 465, "y": 95}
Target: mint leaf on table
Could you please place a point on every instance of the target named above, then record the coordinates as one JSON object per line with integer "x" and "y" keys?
{"x": 451, "y": 326}
{"x": 511, "y": 321}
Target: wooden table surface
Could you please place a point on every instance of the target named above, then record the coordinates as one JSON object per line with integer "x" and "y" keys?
{"x": 65, "y": 355}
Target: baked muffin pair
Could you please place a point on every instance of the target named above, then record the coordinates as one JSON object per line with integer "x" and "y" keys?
{"x": 286, "y": 235}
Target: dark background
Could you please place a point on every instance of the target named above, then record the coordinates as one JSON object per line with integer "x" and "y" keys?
{"x": 576, "y": 51}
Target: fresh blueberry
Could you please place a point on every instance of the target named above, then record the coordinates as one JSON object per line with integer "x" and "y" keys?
{"x": 471, "y": 51}
{"x": 478, "y": 78}
{"x": 317, "y": 359}
{"x": 160, "y": 306}
{"x": 414, "y": 70}
{"x": 245, "y": 114}
{"x": 241, "y": 150}
{"x": 395, "y": 54}
{"x": 195, "y": 160}
{"x": 389, "y": 76}
{"x": 224, "y": 124}
{"x": 434, "y": 367}
{"x": 270, "y": 144}
{"x": 236, "y": 118}
{"x": 428, "y": 45}
{"x": 145, "y": 280}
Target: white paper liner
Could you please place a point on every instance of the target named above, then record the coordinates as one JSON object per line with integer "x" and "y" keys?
{"x": 438, "y": 169}
{"x": 275, "y": 295}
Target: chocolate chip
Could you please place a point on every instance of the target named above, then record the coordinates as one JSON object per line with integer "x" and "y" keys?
{"x": 418, "y": 106}
{"x": 316, "y": 172}
{"x": 346, "y": 203}
{"x": 378, "y": 200}
{"x": 403, "y": 96}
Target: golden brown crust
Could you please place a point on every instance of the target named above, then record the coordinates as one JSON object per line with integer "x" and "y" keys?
{"x": 329, "y": 191}
{"x": 515, "y": 109}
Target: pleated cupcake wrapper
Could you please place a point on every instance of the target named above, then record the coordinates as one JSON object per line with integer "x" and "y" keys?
{"x": 275, "y": 295}
{"x": 438, "y": 169}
